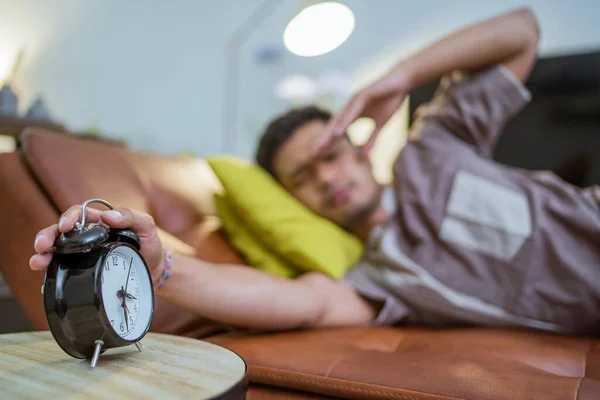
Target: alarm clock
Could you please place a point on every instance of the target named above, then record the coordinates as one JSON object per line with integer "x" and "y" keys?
{"x": 98, "y": 291}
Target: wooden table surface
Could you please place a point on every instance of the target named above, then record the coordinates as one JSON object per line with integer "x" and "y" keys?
{"x": 33, "y": 366}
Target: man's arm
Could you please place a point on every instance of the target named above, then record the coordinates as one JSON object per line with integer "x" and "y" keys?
{"x": 232, "y": 294}
{"x": 510, "y": 39}
{"x": 242, "y": 296}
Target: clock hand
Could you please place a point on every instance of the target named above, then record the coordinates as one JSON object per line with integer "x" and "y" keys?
{"x": 120, "y": 293}
{"x": 124, "y": 308}
{"x": 127, "y": 281}
{"x": 125, "y": 318}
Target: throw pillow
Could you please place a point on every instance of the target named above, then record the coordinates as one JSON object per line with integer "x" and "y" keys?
{"x": 243, "y": 240}
{"x": 281, "y": 223}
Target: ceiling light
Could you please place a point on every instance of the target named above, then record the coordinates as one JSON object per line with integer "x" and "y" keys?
{"x": 319, "y": 29}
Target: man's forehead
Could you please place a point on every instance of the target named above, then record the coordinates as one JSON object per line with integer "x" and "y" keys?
{"x": 297, "y": 150}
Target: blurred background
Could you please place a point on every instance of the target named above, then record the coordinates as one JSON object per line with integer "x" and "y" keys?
{"x": 192, "y": 77}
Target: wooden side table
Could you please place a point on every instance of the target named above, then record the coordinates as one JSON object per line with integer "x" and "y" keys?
{"x": 33, "y": 366}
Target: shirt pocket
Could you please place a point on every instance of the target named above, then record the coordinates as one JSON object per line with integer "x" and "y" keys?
{"x": 486, "y": 217}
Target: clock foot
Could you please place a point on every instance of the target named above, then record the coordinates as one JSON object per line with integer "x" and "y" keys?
{"x": 139, "y": 346}
{"x": 97, "y": 350}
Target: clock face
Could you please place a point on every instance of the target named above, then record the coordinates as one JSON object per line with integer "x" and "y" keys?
{"x": 126, "y": 293}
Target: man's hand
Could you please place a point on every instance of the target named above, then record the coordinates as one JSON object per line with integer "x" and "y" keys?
{"x": 378, "y": 101}
{"x": 141, "y": 223}
{"x": 509, "y": 39}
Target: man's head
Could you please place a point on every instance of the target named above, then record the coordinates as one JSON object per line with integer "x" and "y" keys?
{"x": 338, "y": 184}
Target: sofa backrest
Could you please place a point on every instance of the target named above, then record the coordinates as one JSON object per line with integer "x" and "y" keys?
{"x": 72, "y": 170}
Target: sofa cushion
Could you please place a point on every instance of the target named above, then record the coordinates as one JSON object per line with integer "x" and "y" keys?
{"x": 73, "y": 170}
{"x": 209, "y": 243}
{"x": 392, "y": 363}
{"x": 174, "y": 320}
{"x": 179, "y": 189}
{"x": 262, "y": 392}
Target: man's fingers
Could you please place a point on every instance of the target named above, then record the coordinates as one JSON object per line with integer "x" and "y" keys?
{"x": 40, "y": 262}
{"x": 369, "y": 145}
{"x": 366, "y": 148}
{"x": 141, "y": 223}
{"x": 118, "y": 218}
{"x": 350, "y": 114}
{"x": 326, "y": 137}
{"x": 339, "y": 124}
{"x": 73, "y": 214}
{"x": 44, "y": 240}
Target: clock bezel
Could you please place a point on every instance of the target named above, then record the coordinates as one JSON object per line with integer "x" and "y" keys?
{"x": 109, "y": 248}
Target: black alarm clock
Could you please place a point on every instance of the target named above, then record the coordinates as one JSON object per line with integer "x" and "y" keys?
{"x": 98, "y": 291}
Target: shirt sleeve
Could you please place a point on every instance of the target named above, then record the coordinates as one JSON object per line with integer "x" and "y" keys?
{"x": 475, "y": 107}
{"x": 391, "y": 311}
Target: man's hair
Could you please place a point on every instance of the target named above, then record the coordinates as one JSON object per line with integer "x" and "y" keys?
{"x": 281, "y": 129}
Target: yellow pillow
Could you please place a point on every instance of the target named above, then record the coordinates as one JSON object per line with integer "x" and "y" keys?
{"x": 281, "y": 223}
{"x": 248, "y": 244}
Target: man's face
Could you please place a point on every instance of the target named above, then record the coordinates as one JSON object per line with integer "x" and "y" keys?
{"x": 338, "y": 184}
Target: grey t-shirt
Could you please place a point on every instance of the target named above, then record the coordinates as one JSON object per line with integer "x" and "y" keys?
{"x": 471, "y": 241}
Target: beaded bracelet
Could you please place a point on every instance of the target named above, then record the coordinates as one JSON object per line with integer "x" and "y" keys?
{"x": 166, "y": 271}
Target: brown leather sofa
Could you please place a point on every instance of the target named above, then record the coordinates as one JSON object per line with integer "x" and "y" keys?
{"x": 54, "y": 171}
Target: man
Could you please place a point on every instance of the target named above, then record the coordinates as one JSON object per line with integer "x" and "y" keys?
{"x": 457, "y": 239}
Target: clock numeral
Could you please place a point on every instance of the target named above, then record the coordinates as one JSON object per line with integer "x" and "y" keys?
{"x": 124, "y": 265}
{"x": 112, "y": 322}
{"x": 115, "y": 260}
{"x": 102, "y": 278}
{"x": 122, "y": 327}
{"x": 130, "y": 321}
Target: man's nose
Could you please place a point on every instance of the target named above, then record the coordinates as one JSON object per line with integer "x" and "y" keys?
{"x": 326, "y": 174}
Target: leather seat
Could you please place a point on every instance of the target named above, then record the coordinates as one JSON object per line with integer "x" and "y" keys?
{"x": 413, "y": 363}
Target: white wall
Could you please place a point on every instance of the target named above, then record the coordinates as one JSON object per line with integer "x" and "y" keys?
{"x": 152, "y": 72}
{"x": 147, "y": 71}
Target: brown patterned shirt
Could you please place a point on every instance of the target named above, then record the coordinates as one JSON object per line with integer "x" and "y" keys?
{"x": 475, "y": 242}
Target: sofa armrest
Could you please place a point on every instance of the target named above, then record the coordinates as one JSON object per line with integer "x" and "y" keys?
{"x": 24, "y": 210}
